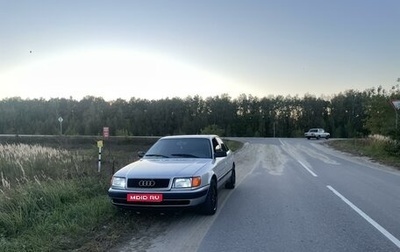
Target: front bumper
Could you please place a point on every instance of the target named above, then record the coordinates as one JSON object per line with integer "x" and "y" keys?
{"x": 171, "y": 199}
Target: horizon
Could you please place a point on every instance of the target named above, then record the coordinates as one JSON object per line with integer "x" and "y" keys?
{"x": 323, "y": 97}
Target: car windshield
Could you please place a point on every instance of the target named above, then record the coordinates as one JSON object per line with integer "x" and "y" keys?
{"x": 180, "y": 148}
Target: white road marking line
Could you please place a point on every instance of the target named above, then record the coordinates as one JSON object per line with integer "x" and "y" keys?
{"x": 367, "y": 218}
{"x": 308, "y": 169}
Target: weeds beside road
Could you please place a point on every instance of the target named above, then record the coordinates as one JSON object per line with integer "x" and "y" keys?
{"x": 53, "y": 199}
{"x": 383, "y": 152}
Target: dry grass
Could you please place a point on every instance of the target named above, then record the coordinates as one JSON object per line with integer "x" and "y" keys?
{"x": 23, "y": 163}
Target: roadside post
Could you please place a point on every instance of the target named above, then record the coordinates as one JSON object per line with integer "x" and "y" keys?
{"x": 106, "y": 134}
{"x": 99, "y": 145}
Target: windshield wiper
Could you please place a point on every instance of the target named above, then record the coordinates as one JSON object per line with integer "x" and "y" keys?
{"x": 184, "y": 155}
{"x": 156, "y": 155}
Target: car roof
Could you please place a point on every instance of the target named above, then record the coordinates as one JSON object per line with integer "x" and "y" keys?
{"x": 189, "y": 136}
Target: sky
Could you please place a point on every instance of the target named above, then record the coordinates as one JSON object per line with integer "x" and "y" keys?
{"x": 157, "y": 49}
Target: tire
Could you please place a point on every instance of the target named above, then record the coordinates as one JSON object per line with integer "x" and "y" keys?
{"x": 209, "y": 207}
{"x": 318, "y": 137}
{"x": 230, "y": 184}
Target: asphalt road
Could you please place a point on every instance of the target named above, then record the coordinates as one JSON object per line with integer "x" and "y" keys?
{"x": 291, "y": 195}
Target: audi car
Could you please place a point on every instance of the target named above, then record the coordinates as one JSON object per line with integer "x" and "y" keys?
{"x": 184, "y": 171}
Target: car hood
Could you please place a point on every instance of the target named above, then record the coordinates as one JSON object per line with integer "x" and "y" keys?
{"x": 163, "y": 168}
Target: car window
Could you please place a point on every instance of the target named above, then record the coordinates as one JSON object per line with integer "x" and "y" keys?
{"x": 182, "y": 147}
{"x": 224, "y": 147}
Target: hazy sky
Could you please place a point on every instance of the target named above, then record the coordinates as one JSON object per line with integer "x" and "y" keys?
{"x": 157, "y": 49}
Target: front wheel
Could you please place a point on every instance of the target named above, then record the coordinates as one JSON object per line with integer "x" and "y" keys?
{"x": 209, "y": 207}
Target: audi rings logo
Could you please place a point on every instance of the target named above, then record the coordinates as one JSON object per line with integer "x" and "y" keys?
{"x": 147, "y": 183}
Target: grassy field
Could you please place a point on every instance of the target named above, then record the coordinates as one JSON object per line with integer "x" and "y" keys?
{"x": 52, "y": 197}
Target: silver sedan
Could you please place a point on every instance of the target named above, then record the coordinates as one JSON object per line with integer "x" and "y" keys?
{"x": 176, "y": 172}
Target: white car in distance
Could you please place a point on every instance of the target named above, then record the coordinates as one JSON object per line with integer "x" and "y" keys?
{"x": 317, "y": 133}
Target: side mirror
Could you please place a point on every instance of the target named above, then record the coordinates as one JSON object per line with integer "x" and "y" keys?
{"x": 141, "y": 154}
{"x": 219, "y": 152}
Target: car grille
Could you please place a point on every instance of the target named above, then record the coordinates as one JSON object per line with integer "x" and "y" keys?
{"x": 148, "y": 183}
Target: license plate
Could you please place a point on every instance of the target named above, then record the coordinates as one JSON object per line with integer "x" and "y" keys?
{"x": 144, "y": 197}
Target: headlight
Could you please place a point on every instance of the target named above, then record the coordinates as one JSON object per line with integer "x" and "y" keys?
{"x": 118, "y": 182}
{"x": 187, "y": 182}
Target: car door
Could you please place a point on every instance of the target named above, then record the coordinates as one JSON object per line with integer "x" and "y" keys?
{"x": 222, "y": 163}
{"x": 219, "y": 165}
{"x": 228, "y": 160}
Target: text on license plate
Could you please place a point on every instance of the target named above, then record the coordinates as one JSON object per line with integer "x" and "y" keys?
{"x": 144, "y": 197}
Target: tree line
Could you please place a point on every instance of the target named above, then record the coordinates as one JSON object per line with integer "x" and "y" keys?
{"x": 349, "y": 114}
